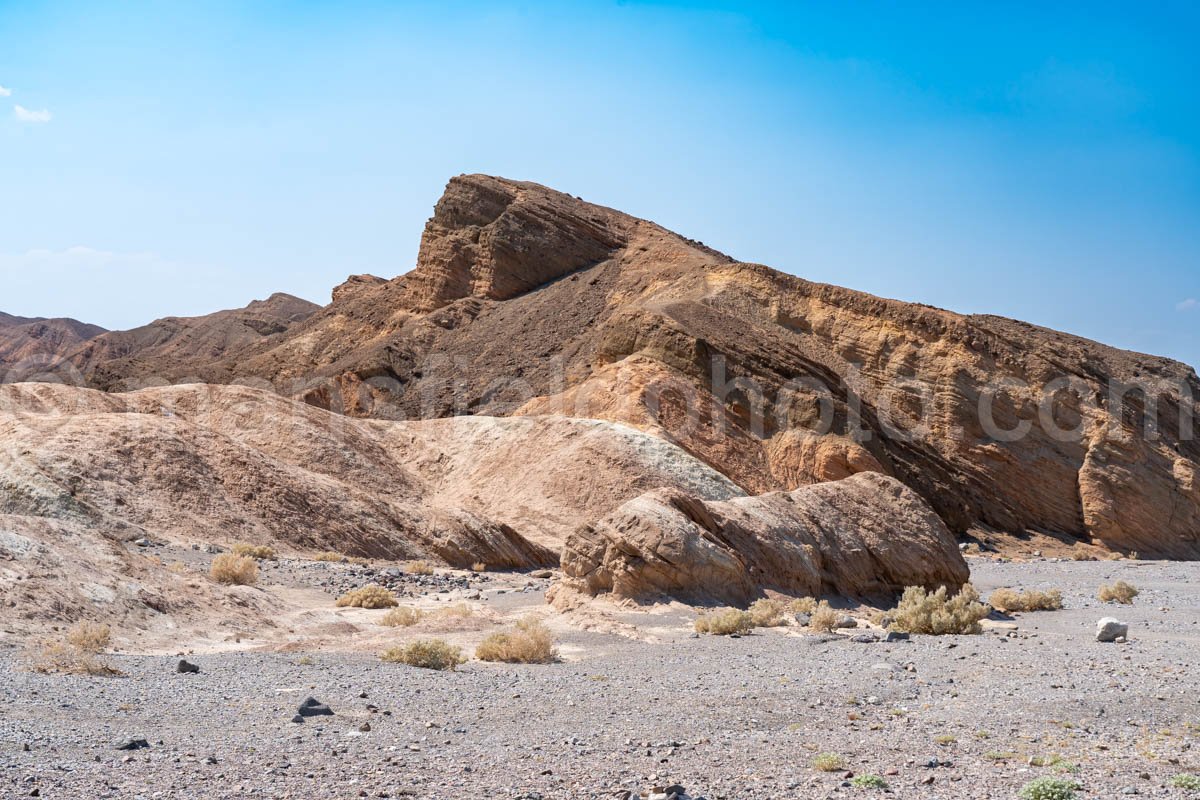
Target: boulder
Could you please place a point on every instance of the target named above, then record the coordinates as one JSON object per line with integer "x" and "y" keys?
{"x": 866, "y": 535}
{"x": 1109, "y": 629}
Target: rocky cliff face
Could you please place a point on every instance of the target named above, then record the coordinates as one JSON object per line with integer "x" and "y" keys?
{"x": 526, "y": 301}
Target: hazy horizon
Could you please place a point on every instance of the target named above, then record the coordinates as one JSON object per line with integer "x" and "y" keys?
{"x": 1026, "y": 162}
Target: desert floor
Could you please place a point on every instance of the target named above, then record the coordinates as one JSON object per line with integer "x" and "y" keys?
{"x": 637, "y": 701}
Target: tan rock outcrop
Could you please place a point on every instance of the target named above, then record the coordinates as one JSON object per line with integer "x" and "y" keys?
{"x": 227, "y": 463}
{"x": 867, "y": 535}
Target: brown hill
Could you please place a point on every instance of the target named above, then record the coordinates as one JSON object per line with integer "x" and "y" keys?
{"x": 528, "y": 301}
{"x": 172, "y": 347}
{"x": 30, "y": 345}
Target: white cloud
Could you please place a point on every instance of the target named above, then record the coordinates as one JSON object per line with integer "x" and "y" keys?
{"x": 1191, "y": 304}
{"x": 28, "y": 115}
{"x": 5, "y": 92}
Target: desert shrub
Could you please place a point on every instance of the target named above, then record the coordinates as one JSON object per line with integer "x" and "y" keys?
{"x": 178, "y": 567}
{"x": 89, "y": 637}
{"x": 530, "y": 642}
{"x": 1048, "y": 788}
{"x": 479, "y": 566}
{"x": 79, "y": 652}
{"x": 369, "y": 596}
{"x": 1120, "y": 592}
{"x": 868, "y": 782}
{"x": 824, "y": 618}
{"x": 425, "y": 653}
{"x": 828, "y": 762}
{"x": 260, "y": 552}
{"x": 937, "y": 613}
{"x": 456, "y": 611}
{"x": 945, "y": 739}
{"x": 1032, "y": 600}
{"x": 802, "y": 605}
{"x": 234, "y": 570}
{"x": 1081, "y": 552}
{"x": 1190, "y": 783}
{"x": 724, "y": 622}
{"x": 329, "y": 555}
{"x": 402, "y": 617}
{"x": 766, "y": 613}
{"x": 418, "y": 568}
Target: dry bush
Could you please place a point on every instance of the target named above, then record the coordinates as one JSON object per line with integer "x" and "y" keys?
{"x": 369, "y": 596}
{"x": 78, "y": 653}
{"x": 1081, "y": 552}
{"x": 402, "y": 617}
{"x": 824, "y": 618}
{"x": 802, "y": 605}
{"x": 828, "y": 762}
{"x": 767, "y": 613}
{"x": 89, "y": 637}
{"x": 178, "y": 567}
{"x": 234, "y": 570}
{"x": 257, "y": 551}
{"x": 724, "y": 622}
{"x": 937, "y": 613}
{"x": 530, "y": 642}
{"x": 329, "y": 555}
{"x": 426, "y": 653}
{"x": 1032, "y": 600}
{"x": 1120, "y": 592}
{"x": 479, "y": 566}
{"x": 418, "y": 568}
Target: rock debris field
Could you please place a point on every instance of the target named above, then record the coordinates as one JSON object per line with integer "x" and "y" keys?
{"x": 641, "y": 705}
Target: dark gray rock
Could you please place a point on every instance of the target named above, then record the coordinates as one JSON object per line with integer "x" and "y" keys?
{"x": 186, "y": 667}
{"x": 314, "y": 708}
{"x": 132, "y": 744}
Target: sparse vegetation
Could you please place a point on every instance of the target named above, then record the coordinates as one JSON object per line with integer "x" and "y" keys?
{"x": 79, "y": 653}
{"x": 530, "y": 642}
{"x": 260, "y": 552}
{"x": 369, "y": 596}
{"x": 724, "y": 622}
{"x": 1031, "y": 600}
{"x": 937, "y": 613}
{"x": 802, "y": 605}
{"x": 234, "y": 570}
{"x": 1048, "y": 788}
{"x": 178, "y": 567}
{"x": 1119, "y": 592}
{"x": 402, "y": 617}
{"x": 1081, "y": 552}
{"x": 767, "y": 613}
{"x": 1187, "y": 782}
{"x": 456, "y": 610}
{"x": 427, "y": 654}
{"x": 329, "y": 555}
{"x": 824, "y": 618}
{"x": 479, "y": 566}
{"x": 418, "y": 568}
{"x": 868, "y": 782}
{"x": 945, "y": 739}
{"x": 828, "y": 762}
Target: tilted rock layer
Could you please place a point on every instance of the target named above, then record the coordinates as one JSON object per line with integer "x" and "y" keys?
{"x": 529, "y": 301}
{"x": 867, "y": 535}
{"x": 202, "y": 463}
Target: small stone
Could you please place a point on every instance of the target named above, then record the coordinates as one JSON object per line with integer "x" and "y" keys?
{"x": 297, "y": 718}
{"x": 314, "y": 708}
{"x": 803, "y": 619}
{"x": 541, "y": 573}
{"x": 847, "y": 622}
{"x": 186, "y": 667}
{"x": 132, "y": 744}
{"x": 864, "y": 638}
{"x": 143, "y": 542}
{"x": 896, "y": 636}
{"x": 365, "y": 727}
{"x": 1109, "y": 629}
{"x": 25, "y": 747}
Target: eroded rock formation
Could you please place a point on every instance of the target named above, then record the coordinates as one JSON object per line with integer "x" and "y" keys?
{"x": 867, "y": 535}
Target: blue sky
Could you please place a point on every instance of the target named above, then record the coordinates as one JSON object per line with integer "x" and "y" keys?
{"x": 1039, "y": 163}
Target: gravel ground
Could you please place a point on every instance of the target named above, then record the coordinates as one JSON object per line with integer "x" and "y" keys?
{"x": 724, "y": 717}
